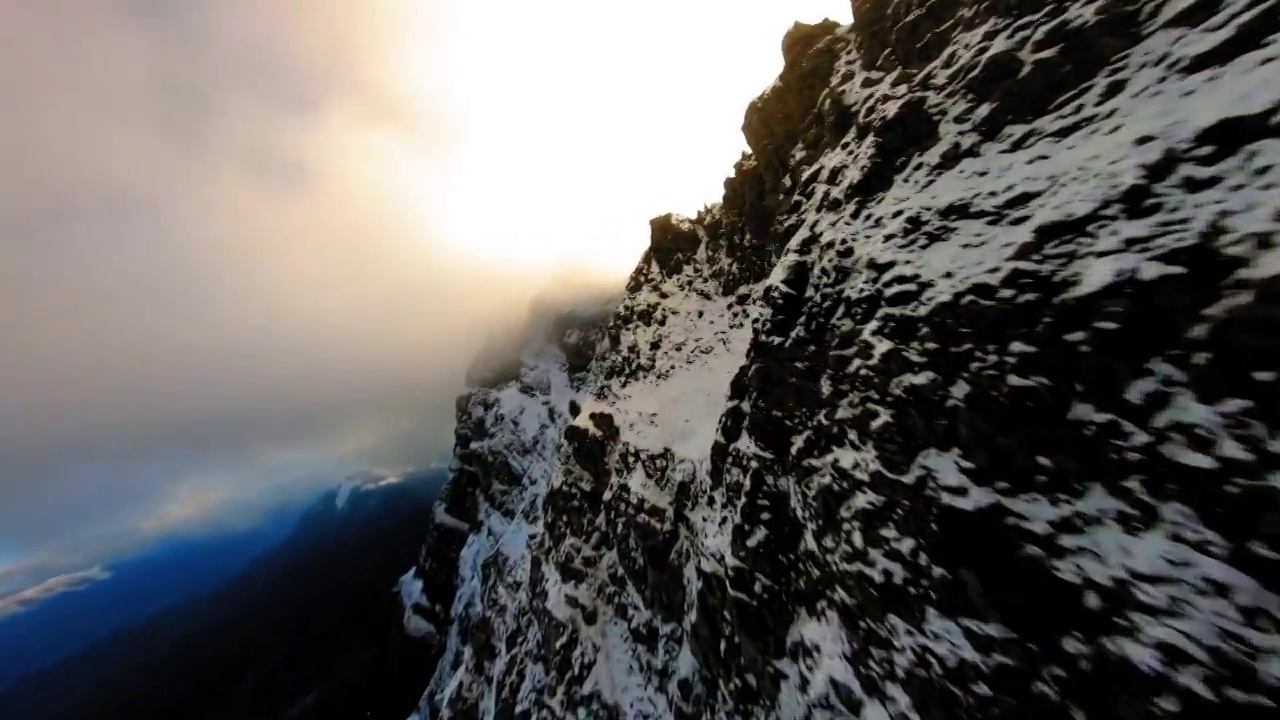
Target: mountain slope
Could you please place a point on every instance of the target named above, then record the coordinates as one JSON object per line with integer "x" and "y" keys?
{"x": 961, "y": 404}
{"x": 168, "y": 572}
{"x": 305, "y": 632}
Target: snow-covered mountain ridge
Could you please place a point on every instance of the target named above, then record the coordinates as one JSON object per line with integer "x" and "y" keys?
{"x": 962, "y": 404}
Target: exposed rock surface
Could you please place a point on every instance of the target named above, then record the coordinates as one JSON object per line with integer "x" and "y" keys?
{"x": 962, "y": 404}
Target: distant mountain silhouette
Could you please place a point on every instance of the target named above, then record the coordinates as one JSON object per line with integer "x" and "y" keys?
{"x": 168, "y": 572}
{"x": 308, "y": 631}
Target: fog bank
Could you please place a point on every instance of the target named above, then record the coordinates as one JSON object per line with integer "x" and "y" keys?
{"x": 210, "y": 272}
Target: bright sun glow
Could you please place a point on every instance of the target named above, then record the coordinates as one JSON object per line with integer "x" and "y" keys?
{"x": 576, "y": 121}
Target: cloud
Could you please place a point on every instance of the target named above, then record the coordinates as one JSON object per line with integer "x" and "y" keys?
{"x": 210, "y": 263}
{"x": 27, "y": 599}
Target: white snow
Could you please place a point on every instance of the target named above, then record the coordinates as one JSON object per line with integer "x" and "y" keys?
{"x": 678, "y": 404}
{"x": 617, "y": 677}
{"x": 824, "y": 644}
{"x": 344, "y": 492}
{"x": 947, "y": 472}
{"x": 410, "y": 589}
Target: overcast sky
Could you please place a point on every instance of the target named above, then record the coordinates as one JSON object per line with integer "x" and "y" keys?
{"x": 238, "y": 239}
{"x": 203, "y": 285}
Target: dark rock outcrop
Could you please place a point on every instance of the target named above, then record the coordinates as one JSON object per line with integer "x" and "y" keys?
{"x": 672, "y": 243}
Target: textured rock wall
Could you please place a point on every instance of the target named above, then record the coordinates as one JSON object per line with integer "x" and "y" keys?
{"x": 962, "y": 404}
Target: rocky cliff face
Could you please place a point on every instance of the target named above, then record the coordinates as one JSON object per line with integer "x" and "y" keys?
{"x": 962, "y": 404}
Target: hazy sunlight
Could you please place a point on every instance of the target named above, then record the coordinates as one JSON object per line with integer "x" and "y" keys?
{"x": 578, "y": 121}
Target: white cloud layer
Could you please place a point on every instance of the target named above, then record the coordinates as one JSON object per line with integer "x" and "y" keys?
{"x": 26, "y": 599}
